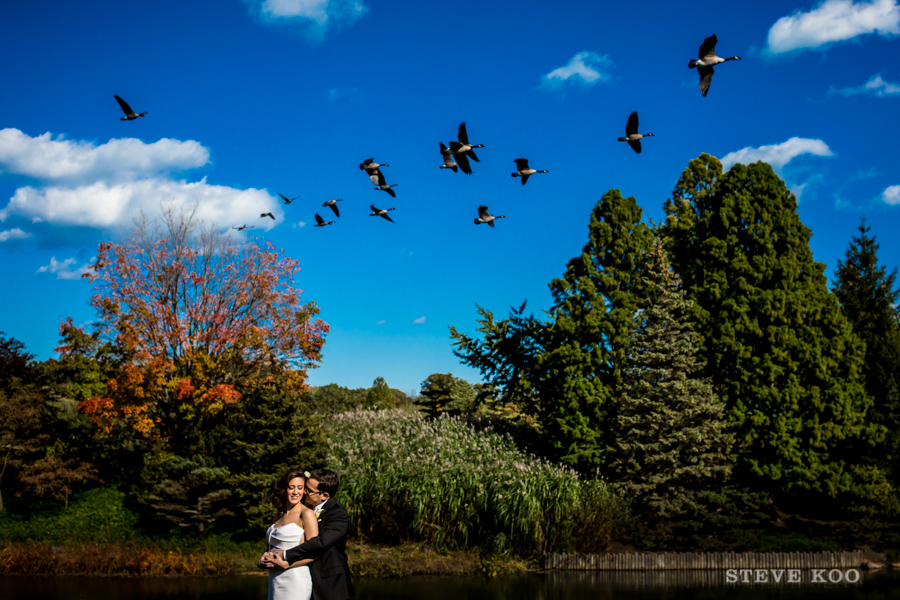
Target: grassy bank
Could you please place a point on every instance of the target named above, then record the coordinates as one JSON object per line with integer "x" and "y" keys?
{"x": 164, "y": 559}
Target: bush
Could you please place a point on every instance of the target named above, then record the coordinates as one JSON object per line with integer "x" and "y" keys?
{"x": 454, "y": 487}
{"x": 98, "y": 515}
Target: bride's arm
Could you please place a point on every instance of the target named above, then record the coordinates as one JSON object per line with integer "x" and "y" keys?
{"x": 310, "y": 530}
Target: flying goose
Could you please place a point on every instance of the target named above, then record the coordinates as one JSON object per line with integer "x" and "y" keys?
{"x": 268, "y": 214}
{"x": 448, "y": 159}
{"x": 380, "y": 212}
{"x": 130, "y": 115}
{"x": 243, "y": 227}
{"x": 333, "y": 205}
{"x": 286, "y": 200}
{"x": 320, "y": 222}
{"x": 465, "y": 146}
{"x": 370, "y": 165}
{"x": 381, "y": 184}
{"x": 631, "y": 133}
{"x": 524, "y": 171}
{"x": 461, "y": 157}
{"x": 708, "y": 60}
{"x": 484, "y": 217}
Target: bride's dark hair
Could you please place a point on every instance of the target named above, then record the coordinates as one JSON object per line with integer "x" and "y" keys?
{"x": 279, "y": 490}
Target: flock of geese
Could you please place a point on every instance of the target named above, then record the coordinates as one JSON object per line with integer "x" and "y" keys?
{"x": 463, "y": 151}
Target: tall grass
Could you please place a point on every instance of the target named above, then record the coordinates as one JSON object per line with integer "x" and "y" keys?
{"x": 442, "y": 481}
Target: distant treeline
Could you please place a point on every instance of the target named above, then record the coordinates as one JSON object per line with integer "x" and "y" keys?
{"x": 694, "y": 384}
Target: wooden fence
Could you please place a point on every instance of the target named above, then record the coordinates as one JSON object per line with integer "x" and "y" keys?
{"x": 666, "y": 561}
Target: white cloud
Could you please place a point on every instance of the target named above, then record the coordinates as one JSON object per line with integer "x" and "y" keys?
{"x": 299, "y": 225}
{"x": 875, "y": 86}
{"x": 833, "y": 21}
{"x": 318, "y": 16}
{"x": 381, "y": 322}
{"x": 585, "y": 68}
{"x": 13, "y": 234}
{"x": 63, "y": 269}
{"x": 106, "y": 186}
{"x": 891, "y": 195}
{"x": 778, "y": 155}
{"x": 62, "y": 160}
{"x": 419, "y": 321}
{"x": 105, "y": 205}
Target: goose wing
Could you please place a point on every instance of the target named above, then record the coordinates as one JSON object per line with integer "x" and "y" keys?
{"x": 636, "y": 145}
{"x": 524, "y": 177}
{"x": 365, "y": 164}
{"x": 708, "y": 47}
{"x": 471, "y": 154}
{"x": 462, "y": 160}
{"x": 392, "y": 193}
{"x": 706, "y": 74}
{"x": 463, "y": 136}
{"x": 521, "y": 164}
{"x": 334, "y": 207}
{"x": 632, "y": 126}
{"x": 444, "y": 150}
{"x": 483, "y": 212}
{"x": 124, "y": 105}
{"x": 319, "y": 219}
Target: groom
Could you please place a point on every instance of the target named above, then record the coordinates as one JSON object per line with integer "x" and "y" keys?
{"x": 330, "y": 573}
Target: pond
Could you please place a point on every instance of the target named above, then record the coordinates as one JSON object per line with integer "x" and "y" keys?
{"x": 684, "y": 585}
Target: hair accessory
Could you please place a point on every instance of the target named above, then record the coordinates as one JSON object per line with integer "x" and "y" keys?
{"x": 306, "y": 473}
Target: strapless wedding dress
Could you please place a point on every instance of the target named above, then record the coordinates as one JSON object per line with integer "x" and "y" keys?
{"x": 288, "y": 584}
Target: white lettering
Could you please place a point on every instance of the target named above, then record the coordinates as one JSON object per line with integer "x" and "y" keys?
{"x": 777, "y": 574}
{"x": 855, "y": 573}
{"x": 840, "y": 576}
{"x": 745, "y": 575}
{"x": 762, "y": 576}
{"x": 731, "y": 576}
{"x": 817, "y": 576}
{"x": 793, "y": 575}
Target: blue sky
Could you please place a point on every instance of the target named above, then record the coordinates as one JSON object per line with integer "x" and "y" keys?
{"x": 246, "y": 99}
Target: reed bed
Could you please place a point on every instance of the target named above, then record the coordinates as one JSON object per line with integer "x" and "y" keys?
{"x": 120, "y": 559}
{"x": 406, "y": 477}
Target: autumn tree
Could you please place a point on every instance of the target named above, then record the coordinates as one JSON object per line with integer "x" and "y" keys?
{"x": 778, "y": 349}
{"x": 198, "y": 316}
{"x": 869, "y": 296}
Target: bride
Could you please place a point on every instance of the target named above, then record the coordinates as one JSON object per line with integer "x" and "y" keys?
{"x": 294, "y": 524}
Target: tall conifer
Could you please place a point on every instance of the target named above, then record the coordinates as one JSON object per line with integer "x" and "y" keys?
{"x": 869, "y": 296}
{"x": 591, "y": 321}
{"x": 672, "y": 448}
{"x": 779, "y": 350}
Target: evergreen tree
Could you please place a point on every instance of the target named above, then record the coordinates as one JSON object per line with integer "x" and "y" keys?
{"x": 380, "y": 396}
{"x": 591, "y": 321}
{"x": 672, "y": 446}
{"x": 563, "y": 371}
{"x": 777, "y": 347}
{"x": 869, "y": 296}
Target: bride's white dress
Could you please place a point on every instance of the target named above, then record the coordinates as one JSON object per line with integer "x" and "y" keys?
{"x": 288, "y": 584}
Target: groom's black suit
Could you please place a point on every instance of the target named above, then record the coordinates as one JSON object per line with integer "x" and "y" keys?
{"x": 330, "y": 573}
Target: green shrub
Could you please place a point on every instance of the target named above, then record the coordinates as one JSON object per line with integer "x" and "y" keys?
{"x": 98, "y": 515}
{"x": 442, "y": 481}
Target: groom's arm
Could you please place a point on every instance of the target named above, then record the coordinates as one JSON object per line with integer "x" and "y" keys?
{"x": 330, "y": 532}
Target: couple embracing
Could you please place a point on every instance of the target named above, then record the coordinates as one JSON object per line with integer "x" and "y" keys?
{"x": 307, "y": 542}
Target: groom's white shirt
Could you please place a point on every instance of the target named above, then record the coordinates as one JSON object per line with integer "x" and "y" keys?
{"x": 318, "y": 508}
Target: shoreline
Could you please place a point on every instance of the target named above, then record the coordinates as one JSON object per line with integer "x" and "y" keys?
{"x": 132, "y": 559}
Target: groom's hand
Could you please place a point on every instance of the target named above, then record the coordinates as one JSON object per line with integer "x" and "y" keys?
{"x": 277, "y": 559}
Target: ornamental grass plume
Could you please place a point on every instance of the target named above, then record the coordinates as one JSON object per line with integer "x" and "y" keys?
{"x": 441, "y": 481}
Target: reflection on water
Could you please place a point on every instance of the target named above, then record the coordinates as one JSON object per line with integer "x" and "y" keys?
{"x": 584, "y": 585}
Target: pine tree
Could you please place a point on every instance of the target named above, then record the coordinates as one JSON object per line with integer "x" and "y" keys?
{"x": 777, "y": 347}
{"x": 672, "y": 449}
{"x": 869, "y": 296}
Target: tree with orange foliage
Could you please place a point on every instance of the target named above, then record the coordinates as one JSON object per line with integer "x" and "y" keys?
{"x": 200, "y": 318}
